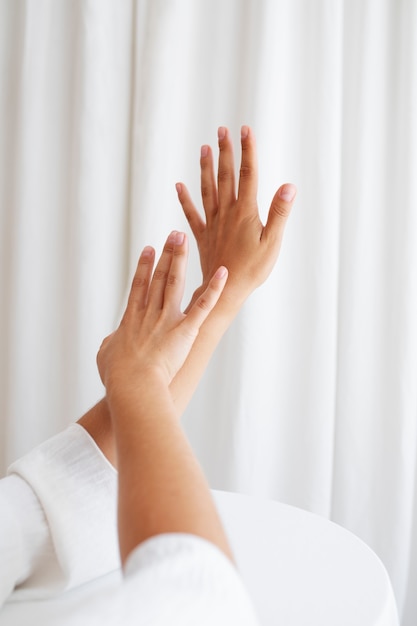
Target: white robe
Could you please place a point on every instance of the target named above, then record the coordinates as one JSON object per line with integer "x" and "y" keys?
{"x": 58, "y": 531}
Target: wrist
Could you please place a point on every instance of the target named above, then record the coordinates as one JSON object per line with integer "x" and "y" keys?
{"x": 127, "y": 378}
{"x": 141, "y": 390}
{"x": 230, "y": 302}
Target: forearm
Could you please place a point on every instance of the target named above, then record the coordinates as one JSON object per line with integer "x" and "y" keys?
{"x": 185, "y": 382}
{"x": 162, "y": 488}
{"x": 97, "y": 423}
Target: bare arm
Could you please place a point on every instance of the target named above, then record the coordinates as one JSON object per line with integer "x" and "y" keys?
{"x": 230, "y": 234}
{"x": 162, "y": 488}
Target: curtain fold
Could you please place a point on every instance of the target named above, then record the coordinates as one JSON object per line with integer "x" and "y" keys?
{"x": 311, "y": 398}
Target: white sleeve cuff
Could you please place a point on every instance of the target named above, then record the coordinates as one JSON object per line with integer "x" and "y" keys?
{"x": 76, "y": 487}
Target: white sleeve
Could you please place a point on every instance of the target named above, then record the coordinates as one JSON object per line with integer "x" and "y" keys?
{"x": 187, "y": 580}
{"x": 171, "y": 580}
{"x": 24, "y": 536}
{"x": 59, "y": 515}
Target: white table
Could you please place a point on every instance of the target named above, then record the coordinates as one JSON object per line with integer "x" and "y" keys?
{"x": 300, "y": 569}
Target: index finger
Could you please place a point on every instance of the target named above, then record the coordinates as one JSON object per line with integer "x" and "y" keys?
{"x": 248, "y": 178}
{"x": 140, "y": 285}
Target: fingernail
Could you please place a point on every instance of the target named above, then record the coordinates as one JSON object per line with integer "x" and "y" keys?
{"x": 244, "y": 132}
{"x": 172, "y": 237}
{"x": 221, "y": 272}
{"x": 287, "y": 192}
{"x": 147, "y": 251}
{"x": 178, "y": 187}
{"x": 204, "y": 151}
{"x": 221, "y": 133}
{"x": 179, "y": 239}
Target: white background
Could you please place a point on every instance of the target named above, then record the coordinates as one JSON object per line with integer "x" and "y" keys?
{"x": 311, "y": 398}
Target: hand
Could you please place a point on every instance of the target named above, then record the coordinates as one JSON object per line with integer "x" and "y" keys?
{"x": 232, "y": 233}
{"x": 154, "y": 336}
{"x": 161, "y": 486}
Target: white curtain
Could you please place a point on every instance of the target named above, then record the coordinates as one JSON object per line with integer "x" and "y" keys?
{"x": 311, "y": 398}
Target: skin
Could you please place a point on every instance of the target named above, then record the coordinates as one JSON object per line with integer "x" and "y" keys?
{"x": 162, "y": 488}
{"x": 230, "y": 234}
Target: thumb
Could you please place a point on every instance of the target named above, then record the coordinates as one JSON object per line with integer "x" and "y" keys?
{"x": 279, "y": 211}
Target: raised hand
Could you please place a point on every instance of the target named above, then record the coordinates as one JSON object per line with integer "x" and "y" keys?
{"x": 154, "y": 336}
{"x": 232, "y": 233}
{"x": 162, "y": 488}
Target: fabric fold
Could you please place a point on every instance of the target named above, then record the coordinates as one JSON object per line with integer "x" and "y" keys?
{"x": 77, "y": 491}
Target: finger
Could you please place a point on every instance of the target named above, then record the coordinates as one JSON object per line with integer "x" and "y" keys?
{"x": 174, "y": 288}
{"x": 248, "y": 178}
{"x": 140, "y": 284}
{"x": 279, "y": 212}
{"x": 226, "y": 171}
{"x": 193, "y": 217}
{"x": 206, "y": 302}
{"x": 160, "y": 275}
{"x": 208, "y": 183}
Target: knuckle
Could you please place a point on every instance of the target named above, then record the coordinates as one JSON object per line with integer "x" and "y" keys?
{"x": 203, "y": 303}
{"x": 189, "y": 216}
{"x": 206, "y": 192}
{"x": 160, "y": 275}
{"x": 139, "y": 282}
{"x": 246, "y": 171}
{"x": 224, "y": 174}
{"x": 280, "y": 209}
{"x": 168, "y": 247}
{"x": 179, "y": 251}
{"x": 172, "y": 280}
